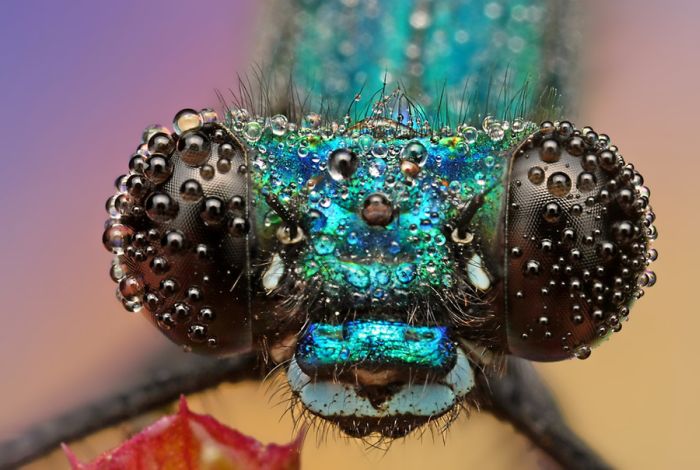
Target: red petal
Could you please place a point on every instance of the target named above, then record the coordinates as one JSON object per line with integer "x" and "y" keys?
{"x": 190, "y": 441}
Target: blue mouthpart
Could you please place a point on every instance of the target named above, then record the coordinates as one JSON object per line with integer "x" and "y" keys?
{"x": 376, "y": 344}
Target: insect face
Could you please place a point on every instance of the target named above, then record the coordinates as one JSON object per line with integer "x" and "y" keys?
{"x": 371, "y": 259}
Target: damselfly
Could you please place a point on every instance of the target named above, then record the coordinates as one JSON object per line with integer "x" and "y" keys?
{"x": 389, "y": 250}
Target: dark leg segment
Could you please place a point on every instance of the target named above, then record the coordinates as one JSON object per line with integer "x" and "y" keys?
{"x": 194, "y": 375}
{"x": 521, "y": 398}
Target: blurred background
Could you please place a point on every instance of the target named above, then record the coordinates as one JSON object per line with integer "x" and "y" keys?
{"x": 80, "y": 80}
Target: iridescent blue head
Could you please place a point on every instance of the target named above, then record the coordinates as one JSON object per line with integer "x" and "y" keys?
{"x": 377, "y": 234}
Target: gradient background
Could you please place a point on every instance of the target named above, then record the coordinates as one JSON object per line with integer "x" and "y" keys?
{"x": 80, "y": 80}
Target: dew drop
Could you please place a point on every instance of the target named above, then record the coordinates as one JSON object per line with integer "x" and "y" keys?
{"x": 159, "y": 169}
{"x": 559, "y": 184}
{"x": 252, "y": 131}
{"x": 160, "y": 207}
{"x": 406, "y": 272}
{"x": 185, "y": 120}
{"x": 552, "y": 212}
{"x": 415, "y": 152}
{"x": 191, "y": 190}
{"x": 278, "y": 124}
{"x": 586, "y": 182}
{"x": 535, "y": 175}
{"x": 194, "y": 148}
{"x": 342, "y": 164}
{"x": 550, "y": 151}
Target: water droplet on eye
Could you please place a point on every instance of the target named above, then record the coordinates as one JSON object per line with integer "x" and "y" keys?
{"x": 208, "y": 115}
{"x": 535, "y": 175}
{"x": 238, "y": 226}
{"x": 252, "y": 131}
{"x": 117, "y": 236}
{"x": 160, "y": 207}
{"x": 278, "y": 124}
{"x": 531, "y": 268}
{"x": 653, "y": 255}
{"x": 191, "y": 190}
{"x": 342, "y": 164}
{"x": 206, "y": 314}
{"x": 550, "y": 151}
{"x": 197, "y": 333}
{"x": 223, "y": 165}
{"x": 406, "y": 272}
{"x": 415, "y": 152}
{"x": 119, "y": 269}
{"x": 552, "y": 212}
{"x": 185, "y": 120}
{"x": 582, "y": 352}
{"x": 159, "y": 169}
{"x": 194, "y": 147}
{"x": 213, "y": 210}
{"x": 648, "y": 279}
{"x": 159, "y": 265}
{"x": 623, "y": 231}
{"x": 131, "y": 286}
{"x": 207, "y": 172}
{"x": 160, "y": 142}
{"x": 136, "y": 186}
{"x": 559, "y": 184}
{"x": 226, "y": 150}
{"x": 607, "y": 160}
{"x": 586, "y": 182}
{"x": 589, "y": 162}
{"x": 132, "y": 304}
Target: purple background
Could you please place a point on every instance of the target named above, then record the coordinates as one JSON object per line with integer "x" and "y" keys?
{"x": 79, "y": 81}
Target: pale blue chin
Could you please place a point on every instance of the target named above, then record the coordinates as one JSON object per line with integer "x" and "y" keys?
{"x": 333, "y": 399}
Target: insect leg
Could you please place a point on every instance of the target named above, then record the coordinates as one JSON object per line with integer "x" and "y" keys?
{"x": 521, "y": 398}
{"x": 192, "y": 376}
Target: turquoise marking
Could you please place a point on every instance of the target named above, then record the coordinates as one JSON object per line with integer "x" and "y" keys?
{"x": 376, "y": 343}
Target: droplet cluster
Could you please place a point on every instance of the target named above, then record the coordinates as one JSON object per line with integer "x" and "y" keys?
{"x": 374, "y": 200}
{"x": 578, "y": 242}
{"x": 178, "y": 228}
{"x": 219, "y": 227}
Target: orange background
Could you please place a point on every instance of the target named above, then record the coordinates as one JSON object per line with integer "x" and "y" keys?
{"x": 78, "y": 84}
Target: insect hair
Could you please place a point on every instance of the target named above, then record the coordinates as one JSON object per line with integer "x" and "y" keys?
{"x": 262, "y": 93}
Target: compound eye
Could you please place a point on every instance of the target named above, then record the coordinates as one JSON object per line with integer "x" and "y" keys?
{"x": 180, "y": 232}
{"x": 579, "y": 227}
